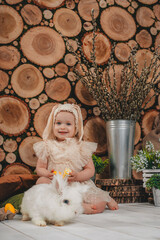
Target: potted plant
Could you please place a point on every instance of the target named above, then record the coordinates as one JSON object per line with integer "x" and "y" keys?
{"x": 146, "y": 160}
{"x": 120, "y": 103}
{"x": 99, "y": 165}
{"x": 154, "y": 183}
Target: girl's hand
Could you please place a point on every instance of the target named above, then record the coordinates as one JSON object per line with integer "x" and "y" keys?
{"x": 50, "y": 176}
{"x": 73, "y": 177}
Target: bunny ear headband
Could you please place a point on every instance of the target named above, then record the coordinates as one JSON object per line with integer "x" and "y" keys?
{"x": 75, "y": 109}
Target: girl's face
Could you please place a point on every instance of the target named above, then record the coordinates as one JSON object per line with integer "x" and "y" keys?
{"x": 64, "y": 126}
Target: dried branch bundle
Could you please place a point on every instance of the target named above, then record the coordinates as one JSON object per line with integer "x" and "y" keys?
{"x": 128, "y": 103}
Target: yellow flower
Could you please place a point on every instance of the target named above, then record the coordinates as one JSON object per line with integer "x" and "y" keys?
{"x": 9, "y": 207}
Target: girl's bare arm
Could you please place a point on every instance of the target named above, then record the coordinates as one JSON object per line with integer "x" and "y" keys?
{"x": 41, "y": 169}
{"x": 87, "y": 172}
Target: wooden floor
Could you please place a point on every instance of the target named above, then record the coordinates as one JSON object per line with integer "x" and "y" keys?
{"x": 133, "y": 221}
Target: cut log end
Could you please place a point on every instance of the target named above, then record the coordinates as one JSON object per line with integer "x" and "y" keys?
{"x": 95, "y": 131}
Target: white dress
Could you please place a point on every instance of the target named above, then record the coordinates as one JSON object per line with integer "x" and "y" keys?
{"x": 74, "y": 155}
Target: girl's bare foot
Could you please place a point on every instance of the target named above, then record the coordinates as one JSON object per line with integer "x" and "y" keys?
{"x": 89, "y": 208}
{"x": 112, "y": 205}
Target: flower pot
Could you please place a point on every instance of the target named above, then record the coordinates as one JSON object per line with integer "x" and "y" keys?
{"x": 147, "y": 173}
{"x": 137, "y": 175}
{"x": 156, "y": 196}
{"x": 120, "y": 141}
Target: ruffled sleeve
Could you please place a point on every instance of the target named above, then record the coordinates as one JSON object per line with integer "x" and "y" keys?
{"x": 41, "y": 150}
{"x": 86, "y": 151}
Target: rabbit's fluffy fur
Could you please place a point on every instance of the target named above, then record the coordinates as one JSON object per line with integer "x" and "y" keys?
{"x": 54, "y": 203}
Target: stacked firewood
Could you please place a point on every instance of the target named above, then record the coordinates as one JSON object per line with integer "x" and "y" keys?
{"x": 124, "y": 190}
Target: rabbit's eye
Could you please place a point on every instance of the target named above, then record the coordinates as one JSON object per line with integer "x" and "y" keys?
{"x": 66, "y": 201}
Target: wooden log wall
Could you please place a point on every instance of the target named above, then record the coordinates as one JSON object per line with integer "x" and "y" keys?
{"x": 36, "y": 67}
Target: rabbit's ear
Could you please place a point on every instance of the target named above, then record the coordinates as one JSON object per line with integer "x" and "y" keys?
{"x": 60, "y": 183}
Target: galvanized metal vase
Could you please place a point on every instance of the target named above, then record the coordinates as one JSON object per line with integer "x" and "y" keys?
{"x": 120, "y": 141}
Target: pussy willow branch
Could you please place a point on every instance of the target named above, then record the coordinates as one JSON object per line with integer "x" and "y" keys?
{"x": 134, "y": 87}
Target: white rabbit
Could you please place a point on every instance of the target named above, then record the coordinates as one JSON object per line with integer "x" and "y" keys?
{"x": 53, "y": 203}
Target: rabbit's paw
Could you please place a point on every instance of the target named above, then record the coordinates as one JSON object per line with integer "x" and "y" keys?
{"x": 59, "y": 224}
{"x": 39, "y": 222}
{"x": 25, "y": 217}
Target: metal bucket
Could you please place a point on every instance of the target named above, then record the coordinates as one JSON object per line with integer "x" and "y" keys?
{"x": 120, "y": 141}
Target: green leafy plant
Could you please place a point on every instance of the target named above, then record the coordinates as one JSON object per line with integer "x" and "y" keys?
{"x": 147, "y": 158}
{"x": 153, "y": 181}
{"x": 99, "y": 163}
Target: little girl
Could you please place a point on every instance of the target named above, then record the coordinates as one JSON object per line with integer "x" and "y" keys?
{"x": 62, "y": 147}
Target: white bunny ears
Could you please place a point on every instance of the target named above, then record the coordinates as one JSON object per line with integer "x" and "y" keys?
{"x": 75, "y": 109}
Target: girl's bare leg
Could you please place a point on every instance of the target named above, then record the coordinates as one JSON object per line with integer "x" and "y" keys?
{"x": 93, "y": 208}
{"x": 43, "y": 180}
